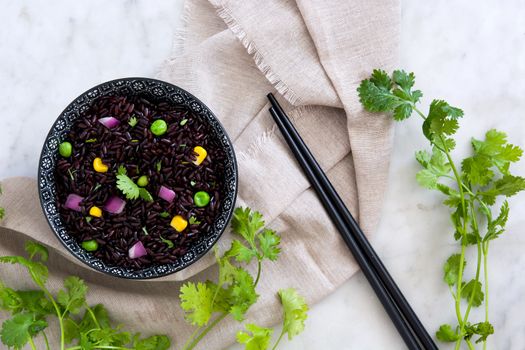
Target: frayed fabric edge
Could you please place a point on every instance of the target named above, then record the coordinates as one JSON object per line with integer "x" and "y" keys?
{"x": 179, "y": 39}
{"x": 226, "y": 15}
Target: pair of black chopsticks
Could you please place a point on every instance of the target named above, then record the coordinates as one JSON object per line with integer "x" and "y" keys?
{"x": 406, "y": 321}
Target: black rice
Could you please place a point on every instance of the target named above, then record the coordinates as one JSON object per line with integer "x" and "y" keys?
{"x": 167, "y": 160}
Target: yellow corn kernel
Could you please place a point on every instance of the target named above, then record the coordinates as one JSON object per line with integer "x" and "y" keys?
{"x": 179, "y": 223}
{"x": 95, "y": 211}
{"x": 201, "y": 155}
{"x": 99, "y": 166}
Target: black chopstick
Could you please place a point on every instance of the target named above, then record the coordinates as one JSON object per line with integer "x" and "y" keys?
{"x": 389, "y": 294}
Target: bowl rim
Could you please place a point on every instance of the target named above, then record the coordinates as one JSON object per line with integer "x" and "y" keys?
{"x": 135, "y": 274}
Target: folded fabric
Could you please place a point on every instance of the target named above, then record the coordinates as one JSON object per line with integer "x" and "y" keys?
{"x": 230, "y": 54}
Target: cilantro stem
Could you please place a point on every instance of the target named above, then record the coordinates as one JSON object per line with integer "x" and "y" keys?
{"x": 279, "y": 339}
{"x": 458, "y": 293}
{"x": 46, "y": 340}
{"x": 92, "y": 314}
{"x": 259, "y": 267}
{"x": 478, "y": 263}
{"x": 206, "y": 331}
{"x": 486, "y": 277}
{"x": 32, "y": 343}
{"x": 78, "y": 347}
{"x": 192, "y": 336}
{"x": 57, "y": 310}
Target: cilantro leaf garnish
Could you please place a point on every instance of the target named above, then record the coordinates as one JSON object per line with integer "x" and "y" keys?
{"x": 133, "y": 121}
{"x": 168, "y": 242}
{"x": 129, "y": 188}
{"x": 193, "y": 221}
{"x": 144, "y": 194}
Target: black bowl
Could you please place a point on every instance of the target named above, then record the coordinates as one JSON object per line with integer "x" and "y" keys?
{"x": 155, "y": 91}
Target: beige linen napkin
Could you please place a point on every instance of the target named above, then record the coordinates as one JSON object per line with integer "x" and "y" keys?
{"x": 230, "y": 54}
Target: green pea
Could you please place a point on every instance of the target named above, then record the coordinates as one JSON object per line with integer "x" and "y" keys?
{"x": 159, "y": 127}
{"x": 65, "y": 149}
{"x": 143, "y": 181}
{"x": 90, "y": 245}
{"x": 201, "y": 198}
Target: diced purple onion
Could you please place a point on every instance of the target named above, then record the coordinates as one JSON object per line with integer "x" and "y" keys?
{"x": 137, "y": 250}
{"x": 114, "y": 205}
{"x": 166, "y": 194}
{"x": 73, "y": 202}
{"x": 109, "y": 122}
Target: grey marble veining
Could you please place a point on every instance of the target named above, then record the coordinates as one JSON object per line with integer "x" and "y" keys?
{"x": 470, "y": 53}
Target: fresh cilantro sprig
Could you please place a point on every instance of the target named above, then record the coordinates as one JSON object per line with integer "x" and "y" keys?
{"x": 129, "y": 188}
{"x": 207, "y": 304}
{"x": 30, "y": 310}
{"x": 472, "y": 190}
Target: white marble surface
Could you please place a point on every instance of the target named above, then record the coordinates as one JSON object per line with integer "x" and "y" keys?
{"x": 470, "y": 53}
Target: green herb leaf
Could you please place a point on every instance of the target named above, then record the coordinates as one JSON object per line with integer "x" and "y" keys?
{"x": 158, "y": 166}
{"x": 375, "y": 94}
{"x": 240, "y": 252}
{"x": 295, "y": 312}
{"x": 35, "y": 249}
{"x": 269, "y": 243}
{"x": 473, "y": 288}
{"x": 242, "y": 294}
{"x": 507, "y": 186}
{"x": 436, "y": 166}
{"x": 88, "y": 219}
{"x": 193, "y": 221}
{"x": 133, "y": 121}
{"x": 483, "y": 329}
{"x": 71, "y": 331}
{"x": 144, "y": 194}
{"x": 37, "y": 270}
{"x": 17, "y": 331}
{"x": 9, "y": 299}
{"x": 74, "y": 295}
{"x": 196, "y": 301}
{"x": 101, "y": 315}
{"x": 183, "y": 122}
{"x": 145, "y": 230}
{"x": 476, "y": 170}
{"x": 155, "y": 342}
{"x": 128, "y": 187}
{"x": 121, "y": 170}
{"x": 441, "y": 121}
{"x": 257, "y": 338}
{"x": 167, "y": 242}
{"x": 447, "y": 334}
{"x": 164, "y": 214}
{"x": 451, "y": 269}
{"x": 247, "y": 223}
{"x": 497, "y": 226}
{"x": 91, "y": 140}
{"x": 497, "y": 150}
